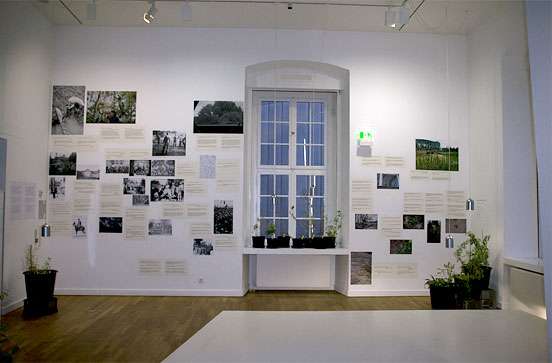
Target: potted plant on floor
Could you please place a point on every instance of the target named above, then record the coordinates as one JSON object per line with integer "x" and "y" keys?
{"x": 473, "y": 256}
{"x": 271, "y": 242}
{"x": 39, "y": 284}
{"x": 332, "y": 229}
{"x": 442, "y": 289}
{"x": 258, "y": 241}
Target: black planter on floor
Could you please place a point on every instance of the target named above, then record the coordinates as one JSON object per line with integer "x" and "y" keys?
{"x": 40, "y": 299}
{"x": 442, "y": 297}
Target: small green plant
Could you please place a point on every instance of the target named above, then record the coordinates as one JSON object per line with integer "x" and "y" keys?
{"x": 8, "y": 347}
{"x": 334, "y": 226}
{"x": 473, "y": 254}
{"x": 31, "y": 264}
{"x": 444, "y": 277}
{"x": 271, "y": 229}
{"x": 256, "y": 228}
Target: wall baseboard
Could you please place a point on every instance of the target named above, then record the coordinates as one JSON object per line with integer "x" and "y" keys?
{"x": 130, "y": 292}
{"x": 11, "y": 307}
{"x": 359, "y": 293}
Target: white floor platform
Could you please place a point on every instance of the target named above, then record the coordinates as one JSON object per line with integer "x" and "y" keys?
{"x": 368, "y": 336}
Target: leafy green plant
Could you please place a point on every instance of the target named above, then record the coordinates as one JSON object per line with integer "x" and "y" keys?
{"x": 8, "y": 347}
{"x": 444, "y": 277}
{"x": 473, "y": 254}
{"x": 31, "y": 262}
{"x": 271, "y": 229}
{"x": 256, "y": 228}
{"x": 334, "y": 226}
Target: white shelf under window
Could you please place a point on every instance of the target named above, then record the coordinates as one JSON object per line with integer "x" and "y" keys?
{"x": 296, "y": 251}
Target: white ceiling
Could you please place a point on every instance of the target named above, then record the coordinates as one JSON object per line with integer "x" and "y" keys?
{"x": 430, "y": 16}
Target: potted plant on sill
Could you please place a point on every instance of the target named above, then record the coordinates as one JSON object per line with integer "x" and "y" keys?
{"x": 258, "y": 241}
{"x": 271, "y": 242}
{"x": 442, "y": 288}
{"x": 473, "y": 256}
{"x": 39, "y": 284}
{"x": 301, "y": 242}
{"x": 283, "y": 241}
{"x": 332, "y": 229}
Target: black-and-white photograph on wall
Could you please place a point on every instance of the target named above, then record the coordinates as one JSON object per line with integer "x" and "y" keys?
{"x": 140, "y": 200}
{"x": 88, "y": 172}
{"x": 361, "y": 268}
{"x": 434, "y": 231}
{"x": 134, "y": 186}
{"x": 80, "y": 226}
{"x": 168, "y": 143}
{"x": 223, "y": 217}
{"x": 366, "y": 221}
{"x": 203, "y": 246}
{"x": 160, "y": 227}
{"x": 56, "y": 188}
{"x": 167, "y": 190}
{"x": 455, "y": 225}
{"x": 388, "y": 181}
{"x": 63, "y": 163}
{"x": 117, "y": 166}
{"x": 111, "y": 107}
{"x": 207, "y": 166}
{"x": 67, "y": 110}
{"x": 111, "y": 225}
{"x": 162, "y": 167}
{"x": 140, "y": 167}
{"x": 218, "y": 117}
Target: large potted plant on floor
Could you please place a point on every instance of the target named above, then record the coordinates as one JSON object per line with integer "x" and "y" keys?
{"x": 442, "y": 288}
{"x": 473, "y": 257}
{"x": 39, "y": 284}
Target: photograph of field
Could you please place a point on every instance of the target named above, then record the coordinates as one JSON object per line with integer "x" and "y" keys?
{"x": 431, "y": 156}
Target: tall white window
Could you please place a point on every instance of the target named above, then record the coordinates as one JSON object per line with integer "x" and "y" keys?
{"x": 295, "y": 139}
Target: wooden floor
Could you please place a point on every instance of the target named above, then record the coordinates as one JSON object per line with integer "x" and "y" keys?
{"x": 148, "y": 329}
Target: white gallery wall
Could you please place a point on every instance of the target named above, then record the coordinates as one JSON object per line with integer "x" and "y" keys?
{"x": 25, "y": 83}
{"x": 398, "y": 85}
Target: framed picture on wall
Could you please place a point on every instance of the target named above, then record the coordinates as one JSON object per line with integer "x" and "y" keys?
{"x": 432, "y": 155}
{"x": 67, "y": 110}
{"x": 111, "y": 107}
{"x": 218, "y": 117}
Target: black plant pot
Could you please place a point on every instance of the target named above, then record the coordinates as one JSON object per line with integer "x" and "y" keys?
{"x": 272, "y": 243}
{"x": 283, "y": 241}
{"x": 486, "y": 277}
{"x": 329, "y": 242}
{"x": 40, "y": 293}
{"x": 442, "y": 297}
{"x": 297, "y": 243}
{"x": 318, "y": 242}
{"x": 258, "y": 241}
{"x": 307, "y": 242}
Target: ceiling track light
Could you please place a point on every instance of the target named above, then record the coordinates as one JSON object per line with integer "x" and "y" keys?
{"x": 150, "y": 14}
{"x": 404, "y": 16}
{"x": 390, "y": 18}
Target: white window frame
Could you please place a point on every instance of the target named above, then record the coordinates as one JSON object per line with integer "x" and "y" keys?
{"x": 328, "y": 170}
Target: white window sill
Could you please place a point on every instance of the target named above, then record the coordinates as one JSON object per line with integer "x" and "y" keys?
{"x": 529, "y": 264}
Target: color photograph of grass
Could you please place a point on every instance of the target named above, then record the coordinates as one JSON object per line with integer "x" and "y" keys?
{"x": 431, "y": 156}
